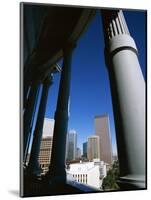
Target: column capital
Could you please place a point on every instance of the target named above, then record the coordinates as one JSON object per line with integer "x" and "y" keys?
{"x": 116, "y": 34}
{"x": 114, "y": 23}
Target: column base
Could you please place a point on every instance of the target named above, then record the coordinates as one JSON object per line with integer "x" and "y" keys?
{"x": 55, "y": 178}
{"x": 132, "y": 182}
{"x": 32, "y": 173}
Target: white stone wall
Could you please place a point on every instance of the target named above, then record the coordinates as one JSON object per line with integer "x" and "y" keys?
{"x": 86, "y": 173}
{"x": 93, "y": 177}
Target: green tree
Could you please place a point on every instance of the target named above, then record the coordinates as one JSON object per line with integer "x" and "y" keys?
{"x": 109, "y": 182}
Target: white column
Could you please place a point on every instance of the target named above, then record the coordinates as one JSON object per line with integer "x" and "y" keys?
{"x": 128, "y": 98}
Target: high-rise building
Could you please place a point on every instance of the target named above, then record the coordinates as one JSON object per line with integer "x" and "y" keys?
{"x": 78, "y": 153}
{"x": 85, "y": 149}
{"x": 93, "y": 147}
{"x": 48, "y": 127}
{"x": 46, "y": 145}
{"x": 71, "y": 145}
{"x": 102, "y": 130}
{"x": 45, "y": 153}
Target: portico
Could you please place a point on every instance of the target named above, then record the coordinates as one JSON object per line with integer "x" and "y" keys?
{"x": 126, "y": 82}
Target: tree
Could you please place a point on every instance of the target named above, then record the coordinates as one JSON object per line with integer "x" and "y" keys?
{"x": 109, "y": 182}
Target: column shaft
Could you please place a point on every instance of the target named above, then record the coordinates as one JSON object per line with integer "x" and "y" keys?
{"x": 29, "y": 114}
{"x": 57, "y": 166}
{"x": 33, "y": 167}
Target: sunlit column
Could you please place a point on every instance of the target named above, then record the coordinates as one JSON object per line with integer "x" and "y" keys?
{"x": 33, "y": 166}
{"x": 128, "y": 98}
{"x": 57, "y": 171}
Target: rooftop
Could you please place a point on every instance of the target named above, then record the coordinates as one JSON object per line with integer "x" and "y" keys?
{"x": 82, "y": 167}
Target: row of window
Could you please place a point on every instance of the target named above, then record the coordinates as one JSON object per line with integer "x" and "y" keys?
{"x": 49, "y": 146}
{"x": 82, "y": 178}
{"x": 80, "y": 175}
{"x": 44, "y": 165}
{"x": 44, "y": 154}
{"x": 46, "y": 148}
{"x": 44, "y": 161}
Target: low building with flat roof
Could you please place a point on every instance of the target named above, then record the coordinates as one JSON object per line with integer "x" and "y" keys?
{"x": 86, "y": 173}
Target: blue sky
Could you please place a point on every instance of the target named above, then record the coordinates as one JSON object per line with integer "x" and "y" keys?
{"x": 90, "y": 90}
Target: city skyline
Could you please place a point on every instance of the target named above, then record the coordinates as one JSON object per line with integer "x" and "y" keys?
{"x": 90, "y": 90}
{"x": 48, "y": 132}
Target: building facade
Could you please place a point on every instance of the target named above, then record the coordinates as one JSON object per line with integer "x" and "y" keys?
{"x": 85, "y": 149}
{"x": 102, "y": 130}
{"x": 46, "y": 145}
{"x": 45, "y": 154}
{"x": 71, "y": 145}
{"x": 93, "y": 147}
{"x": 48, "y": 127}
{"x": 103, "y": 168}
{"x": 78, "y": 153}
{"x": 85, "y": 173}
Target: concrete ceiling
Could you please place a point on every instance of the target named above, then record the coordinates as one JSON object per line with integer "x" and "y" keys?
{"x": 60, "y": 25}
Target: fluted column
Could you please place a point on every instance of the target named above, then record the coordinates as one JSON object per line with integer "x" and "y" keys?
{"x": 57, "y": 171}
{"x": 29, "y": 114}
{"x": 33, "y": 166}
{"x": 128, "y": 98}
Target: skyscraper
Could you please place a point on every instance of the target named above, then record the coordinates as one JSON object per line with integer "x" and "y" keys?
{"x": 71, "y": 145}
{"x": 48, "y": 127}
{"x": 78, "y": 153}
{"x": 93, "y": 147}
{"x": 103, "y": 131}
{"x": 46, "y": 145}
{"x": 85, "y": 149}
{"x": 45, "y": 153}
